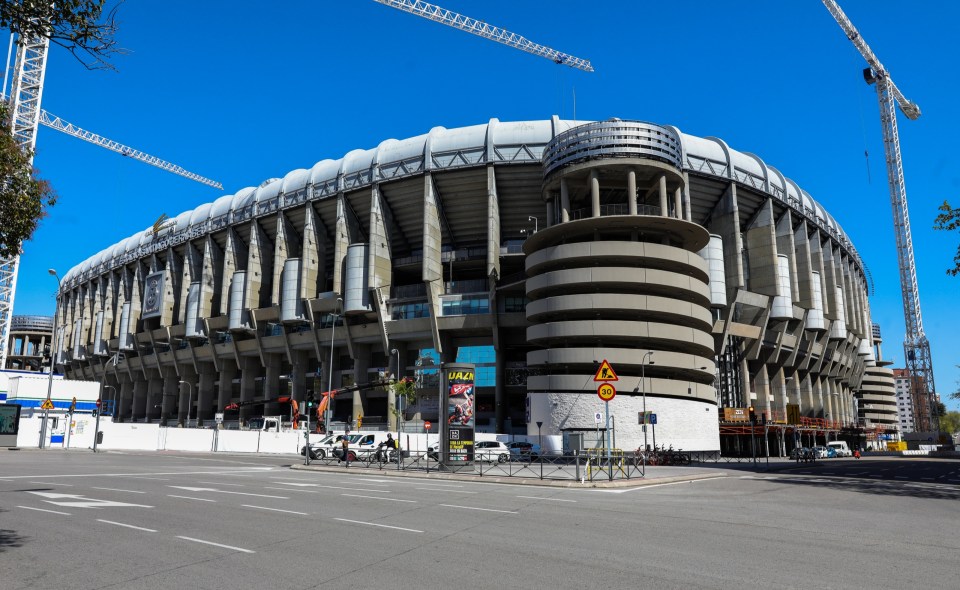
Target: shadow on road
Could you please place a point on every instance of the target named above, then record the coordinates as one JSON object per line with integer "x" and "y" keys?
{"x": 9, "y": 539}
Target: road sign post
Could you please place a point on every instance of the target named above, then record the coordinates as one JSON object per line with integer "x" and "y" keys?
{"x": 96, "y": 427}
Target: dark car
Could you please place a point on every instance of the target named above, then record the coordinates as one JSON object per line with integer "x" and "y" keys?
{"x": 524, "y": 450}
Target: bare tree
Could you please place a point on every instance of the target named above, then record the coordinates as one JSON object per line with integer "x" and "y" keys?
{"x": 85, "y": 28}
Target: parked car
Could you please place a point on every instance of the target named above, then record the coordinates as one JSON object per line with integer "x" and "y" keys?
{"x": 491, "y": 450}
{"x": 840, "y": 447}
{"x": 800, "y": 453}
{"x": 524, "y": 450}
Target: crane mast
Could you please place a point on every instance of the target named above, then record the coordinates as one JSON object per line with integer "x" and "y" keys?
{"x": 916, "y": 347}
{"x": 25, "y": 116}
{"x": 485, "y": 30}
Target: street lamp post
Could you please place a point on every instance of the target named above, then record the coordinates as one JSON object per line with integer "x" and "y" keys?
{"x": 535, "y": 223}
{"x": 53, "y": 352}
{"x": 333, "y": 330}
{"x": 643, "y": 392}
{"x": 189, "y": 401}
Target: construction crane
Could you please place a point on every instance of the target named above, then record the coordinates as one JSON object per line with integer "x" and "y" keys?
{"x": 487, "y": 31}
{"x": 916, "y": 346}
{"x": 25, "y": 116}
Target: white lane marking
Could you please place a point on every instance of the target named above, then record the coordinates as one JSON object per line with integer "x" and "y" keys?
{"x": 156, "y": 478}
{"x": 475, "y": 508}
{"x": 385, "y": 526}
{"x": 129, "y": 526}
{"x": 192, "y": 489}
{"x": 657, "y": 485}
{"x": 454, "y": 491}
{"x": 379, "y": 498}
{"x": 248, "y": 471}
{"x": 191, "y": 498}
{"x": 343, "y": 488}
{"x": 44, "y": 510}
{"x": 241, "y": 549}
{"x": 46, "y": 483}
{"x": 550, "y": 499}
{"x": 291, "y": 483}
{"x": 275, "y": 509}
{"x": 118, "y": 490}
{"x": 220, "y": 483}
{"x": 79, "y": 501}
{"x": 289, "y": 490}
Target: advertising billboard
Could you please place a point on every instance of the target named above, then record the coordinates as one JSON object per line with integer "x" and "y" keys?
{"x": 458, "y": 432}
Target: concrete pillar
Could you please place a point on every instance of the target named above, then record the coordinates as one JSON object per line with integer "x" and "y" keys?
{"x": 677, "y": 204}
{"x": 171, "y": 389}
{"x": 499, "y": 392}
{"x": 564, "y": 201}
{"x": 154, "y": 398}
{"x": 248, "y": 386}
{"x": 631, "y": 207}
{"x": 664, "y": 212}
{"x": 594, "y": 194}
{"x": 298, "y": 376}
{"x": 272, "y": 387}
{"x": 205, "y": 393}
{"x": 139, "y": 409}
{"x": 126, "y": 399}
{"x": 361, "y": 363}
{"x": 228, "y": 371}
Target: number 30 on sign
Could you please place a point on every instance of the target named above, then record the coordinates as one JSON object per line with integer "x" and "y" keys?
{"x": 606, "y": 392}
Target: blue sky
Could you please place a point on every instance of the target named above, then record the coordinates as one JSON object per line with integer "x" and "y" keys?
{"x": 239, "y": 93}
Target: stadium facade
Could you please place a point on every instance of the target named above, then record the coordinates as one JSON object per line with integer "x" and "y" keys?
{"x": 535, "y": 249}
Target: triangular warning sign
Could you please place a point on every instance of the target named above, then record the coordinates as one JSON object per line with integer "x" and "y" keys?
{"x": 46, "y": 405}
{"x": 605, "y": 373}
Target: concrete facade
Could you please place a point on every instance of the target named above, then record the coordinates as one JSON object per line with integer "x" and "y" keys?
{"x": 535, "y": 249}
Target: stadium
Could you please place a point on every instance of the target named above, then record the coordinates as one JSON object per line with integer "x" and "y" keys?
{"x": 708, "y": 281}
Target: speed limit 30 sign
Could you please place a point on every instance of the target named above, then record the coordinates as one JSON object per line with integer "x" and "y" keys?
{"x": 606, "y": 392}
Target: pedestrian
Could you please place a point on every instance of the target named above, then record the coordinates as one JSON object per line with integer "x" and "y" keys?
{"x": 345, "y": 443}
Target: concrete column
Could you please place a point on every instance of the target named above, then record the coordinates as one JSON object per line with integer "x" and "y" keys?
{"x": 272, "y": 387}
{"x": 170, "y": 393}
{"x": 326, "y": 371}
{"x": 139, "y": 409}
{"x": 298, "y": 376}
{"x": 499, "y": 392}
{"x": 762, "y": 387}
{"x": 126, "y": 399}
{"x": 205, "y": 393}
{"x": 805, "y": 391}
{"x": 550, "y": 213}
{"x": 677, "y": 204}
{"x": 564, "y": 201}
{"x": 820, "y": 398}
{"x": 228, "y": 371}
{"x": 631, "y": 206}
{"x": 594, "y": 194}
{"x": 663, "y": 197}
{"x": 361, "y": 363}
{"x": 154, "y": 398}
{"x": 248, "y": 385}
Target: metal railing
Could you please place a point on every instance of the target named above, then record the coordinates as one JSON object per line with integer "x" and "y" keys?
{"x": 613, "y": 139}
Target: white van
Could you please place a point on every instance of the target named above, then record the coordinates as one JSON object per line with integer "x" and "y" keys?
{"x": 841, "y": 448}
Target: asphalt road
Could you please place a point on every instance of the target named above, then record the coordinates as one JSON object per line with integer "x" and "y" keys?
{"x": 77, "y": 520}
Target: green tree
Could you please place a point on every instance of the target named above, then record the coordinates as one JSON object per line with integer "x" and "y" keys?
{"x": 86, "y": 29}
{"x": 949, "y": 219}
{"x": 24, "y": 197}
{"x": 950, "y": 422}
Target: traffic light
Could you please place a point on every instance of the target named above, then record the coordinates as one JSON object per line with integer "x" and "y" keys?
{"x": 310, "y": 401}
{"x": 753, "y": 415}
{"x": 359, "y": 421}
